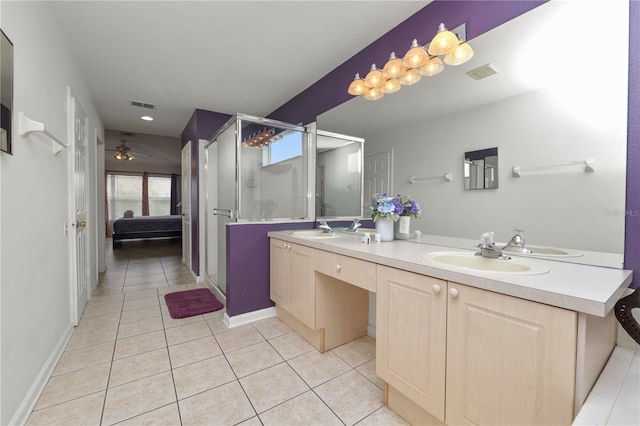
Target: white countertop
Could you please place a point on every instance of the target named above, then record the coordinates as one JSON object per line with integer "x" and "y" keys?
{"x": 592, "y": 290}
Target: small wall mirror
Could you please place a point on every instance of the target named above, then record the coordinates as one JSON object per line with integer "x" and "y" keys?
{"x": 338, "y": 175}
{"x": 481, "y": 169}
{"x": 6, "y": 92}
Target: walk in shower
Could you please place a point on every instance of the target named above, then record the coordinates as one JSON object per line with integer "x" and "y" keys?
{"x": 256, "y": 170}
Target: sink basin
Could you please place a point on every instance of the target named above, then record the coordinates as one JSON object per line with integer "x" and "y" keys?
{"x": 313, "y": 233}
{"x": 468, "y": 261}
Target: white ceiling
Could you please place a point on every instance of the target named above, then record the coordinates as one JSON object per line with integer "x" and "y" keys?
{"x": 224, "y": 56}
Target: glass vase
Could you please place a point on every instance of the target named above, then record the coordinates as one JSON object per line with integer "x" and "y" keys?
{"x": 384, "y": 227}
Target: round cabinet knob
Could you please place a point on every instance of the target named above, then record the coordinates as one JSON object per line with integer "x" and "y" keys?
{"x": 338, "y": 267}
{"x": 436, "y": 288}
{"x": 453, "y": 292}
{"x": 284, "y": 245}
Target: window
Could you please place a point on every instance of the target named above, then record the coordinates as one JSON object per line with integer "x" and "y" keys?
{"x": 124, "y": 192}
{"x": 159, "y": 196}
{"x": 290, "y": 146}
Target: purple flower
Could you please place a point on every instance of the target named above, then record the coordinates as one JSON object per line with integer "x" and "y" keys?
{"x": 399, "y": 207}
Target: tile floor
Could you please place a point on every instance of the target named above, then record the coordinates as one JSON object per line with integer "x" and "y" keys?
{"x": 615, "y": 398}
{"x": 128, "y": 362}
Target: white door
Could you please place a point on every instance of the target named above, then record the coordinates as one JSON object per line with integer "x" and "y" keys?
{"x": 377, "y": 177}
{"x": 186, "y": 205}
{"x": 78, "y": 131}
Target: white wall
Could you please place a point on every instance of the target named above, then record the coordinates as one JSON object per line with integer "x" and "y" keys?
{"x": 34, "y": 293}
{"x": 560, "y": 207}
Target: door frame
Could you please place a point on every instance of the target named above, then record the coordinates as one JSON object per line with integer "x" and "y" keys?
{"x": 186, "y": 184}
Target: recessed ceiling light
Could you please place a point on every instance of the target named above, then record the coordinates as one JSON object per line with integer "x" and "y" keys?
{"x": 147, "y": 118}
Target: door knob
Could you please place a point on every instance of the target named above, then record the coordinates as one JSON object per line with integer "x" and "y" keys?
{"x": 436, "y": 288}
{"x": 81, "y": 224}
{"x": 338, "y": 267}
{"x": 453, "y": 292}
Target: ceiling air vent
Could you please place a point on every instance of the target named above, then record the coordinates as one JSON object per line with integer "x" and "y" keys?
{"x": 143, "y": 105}
{"x": 482, "y": 72}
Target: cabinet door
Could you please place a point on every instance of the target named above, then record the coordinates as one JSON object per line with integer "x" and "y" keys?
{"x": 509, "y": 361}
{"x": 411, "y": 312}
{"x": 277, "y": 273}
{"x": 300, "y": 289}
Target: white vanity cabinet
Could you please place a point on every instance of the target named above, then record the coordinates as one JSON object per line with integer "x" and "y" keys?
{"x": 320, "y": 295}
{"x": 291, "y": 276}
{"x": 454, "y": 348}
{"x": 494, "y": 359}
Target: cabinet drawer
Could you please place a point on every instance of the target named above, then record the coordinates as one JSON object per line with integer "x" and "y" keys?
{"x": 348, "y": 269}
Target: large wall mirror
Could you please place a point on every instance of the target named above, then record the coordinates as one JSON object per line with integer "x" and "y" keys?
{"x": 338, "y": 175}
{"x": 544, "y": 106}
{"x": 6, "y": 92}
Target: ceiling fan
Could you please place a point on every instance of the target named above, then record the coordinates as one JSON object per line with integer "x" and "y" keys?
{"x": 124, "y": 153}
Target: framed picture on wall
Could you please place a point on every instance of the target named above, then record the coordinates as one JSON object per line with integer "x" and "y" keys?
{"x": 6, "y": 92}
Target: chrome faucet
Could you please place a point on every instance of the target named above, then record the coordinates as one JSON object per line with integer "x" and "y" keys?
{"x": 355, "y": 225}
{"x": 488, "y": 248}
{"x": 516, "y": 244}
{"x": 325, "y": 227}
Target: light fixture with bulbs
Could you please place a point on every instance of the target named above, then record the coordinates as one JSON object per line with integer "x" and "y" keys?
{"x": 123, "y": 152}
{"x": 418, "y": 61}
{"x": 260, "y": 139}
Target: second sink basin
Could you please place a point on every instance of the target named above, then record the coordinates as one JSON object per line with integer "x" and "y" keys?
{"x": 314, "y": 233}
{"x": 469, "y": 261}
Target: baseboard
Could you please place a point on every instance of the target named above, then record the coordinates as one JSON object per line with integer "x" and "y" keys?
{"x": 29, "y": 401}
{"x": 216, "y": 291}
{"x": 371, "y": 331}
{"x": 249, "y": 317}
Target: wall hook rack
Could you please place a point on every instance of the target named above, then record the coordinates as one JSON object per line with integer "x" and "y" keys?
{"x": 589, "y": 167}
{"x": 28, "y": 125}
{"x": 447, "y": 177}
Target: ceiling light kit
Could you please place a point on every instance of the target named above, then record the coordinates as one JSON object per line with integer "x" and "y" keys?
{"x": 123, "y": 152}
{"x": 418, "y": 61}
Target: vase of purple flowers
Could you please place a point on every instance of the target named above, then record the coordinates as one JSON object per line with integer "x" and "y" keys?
{"x": 385, "y": 210}
{"x": 409, "y": 209}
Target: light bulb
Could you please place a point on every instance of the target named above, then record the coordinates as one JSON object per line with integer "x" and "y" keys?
{"x": 459, "y": 55}
{"x": 433, "y": 67}
{"x": 416, "y": 56}
{"x": 374, "y": 94}
{"x": 394, "y": 68}
{"x": 412, "y": 76}
{"x": 444, "y": 41}
{"x": 391, "y": 86}
{"x": 374, "y": 78}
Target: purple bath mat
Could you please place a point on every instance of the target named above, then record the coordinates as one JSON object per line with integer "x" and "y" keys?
{"x": 183, "y": 304}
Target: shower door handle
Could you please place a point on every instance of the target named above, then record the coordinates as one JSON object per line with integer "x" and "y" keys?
{"x": 224, "y": 212}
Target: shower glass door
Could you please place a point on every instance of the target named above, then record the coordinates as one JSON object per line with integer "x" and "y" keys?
{"x": 221, "y": 203}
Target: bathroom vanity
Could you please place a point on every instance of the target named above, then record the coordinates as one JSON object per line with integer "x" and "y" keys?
{"x": 453, "y": 346}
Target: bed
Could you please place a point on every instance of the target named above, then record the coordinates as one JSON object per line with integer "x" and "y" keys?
{"x": 146, "y": 227}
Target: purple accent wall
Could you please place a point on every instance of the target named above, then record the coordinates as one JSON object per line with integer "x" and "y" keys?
{"x": 248, "y": 263}
{"x": 632, "y": 221}
{"x": 202, "y": 125}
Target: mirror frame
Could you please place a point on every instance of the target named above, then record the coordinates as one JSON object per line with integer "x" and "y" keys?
{"x": 6, "y": 114}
